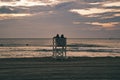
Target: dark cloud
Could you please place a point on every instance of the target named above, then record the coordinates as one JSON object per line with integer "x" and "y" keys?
{"x": 92, "y": 1}
{"x": 65, "y": 6}
{"x": 114, "y": 19}
{"x": 6, "y": 0}
{"x": 113, "y": 7}
{"x": 104, "y": 17}
{"x": 76, "y": 5}
{"x": 6, "y": 9}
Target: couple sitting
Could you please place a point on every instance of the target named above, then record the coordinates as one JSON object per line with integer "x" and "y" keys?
{"x": 60, "y": 41}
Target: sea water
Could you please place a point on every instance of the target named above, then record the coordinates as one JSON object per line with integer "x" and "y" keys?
{"x": 42, "y": 47}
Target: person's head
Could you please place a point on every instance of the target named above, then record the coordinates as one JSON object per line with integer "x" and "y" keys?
{"x": 62, "y": 36}
{"x": 57, "y": 35}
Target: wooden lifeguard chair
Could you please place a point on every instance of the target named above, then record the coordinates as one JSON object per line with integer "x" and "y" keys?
{"x": 59, "y": 47}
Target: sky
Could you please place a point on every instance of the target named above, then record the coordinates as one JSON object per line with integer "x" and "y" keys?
{"x": 73, "y": 18}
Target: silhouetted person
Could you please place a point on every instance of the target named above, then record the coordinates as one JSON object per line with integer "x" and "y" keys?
{"x": 62, "y": 36}
{"x": 57, "y": 39}
{"x": 63, "y": 40}
{"x": 57, "y": 36}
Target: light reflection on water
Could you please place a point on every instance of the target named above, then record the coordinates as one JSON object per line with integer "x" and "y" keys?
{"x": 17, "y": 48}
{"x": 17, "y": 52}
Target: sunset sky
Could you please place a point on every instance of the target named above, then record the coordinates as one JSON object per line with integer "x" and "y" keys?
{"x": 73, "y": 18}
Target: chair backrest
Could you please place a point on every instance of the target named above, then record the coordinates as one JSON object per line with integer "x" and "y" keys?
{"x": 60, "y": 42}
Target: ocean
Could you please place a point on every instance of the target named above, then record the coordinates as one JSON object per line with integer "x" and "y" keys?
{"x": 42, "y": 47}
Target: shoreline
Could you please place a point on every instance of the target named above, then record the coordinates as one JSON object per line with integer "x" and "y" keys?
{"x": 70, "y": 58}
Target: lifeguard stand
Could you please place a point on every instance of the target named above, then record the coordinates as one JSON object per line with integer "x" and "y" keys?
{"x": 59, "y": 47}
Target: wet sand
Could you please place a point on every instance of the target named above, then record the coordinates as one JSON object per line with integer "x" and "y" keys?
{"x": 74, "y": 68}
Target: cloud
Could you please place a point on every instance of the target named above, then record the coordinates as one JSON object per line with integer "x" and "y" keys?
{"x": 29, "y": 3}
{"x": 111, "y": 3}
{"x": 110, "y": 16}
{"x": 24, "y": 3}
{"x": 31, "y": 7}
{"x": 105, "y": 25}
{"x": 92, "y": 11}
{"x": 75, "y": 22}
{"x": 13, "y": 12}
{"x": 75, "y": 18}
{"x": 105, "y": 14}
{"x": 8, "y": 10}
{"x": 93, "y": 1}
{"x": 9, "y": 16}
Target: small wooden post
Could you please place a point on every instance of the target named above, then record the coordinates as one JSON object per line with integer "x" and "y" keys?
{"x": 59, "y": 47}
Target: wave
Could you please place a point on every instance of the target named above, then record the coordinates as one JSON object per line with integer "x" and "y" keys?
{"x": 88, "y": 50}
{"x": 70, "y": 50}
{"x": 98, "y": 50}
{"x": 69, "y": 45}
{"x": 22, "y": 45}
{"x": 10, "y": 52}
{"x": 85, "y": 45}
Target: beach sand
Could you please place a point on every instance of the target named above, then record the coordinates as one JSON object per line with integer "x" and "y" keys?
{"x": 73, "y": 68}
